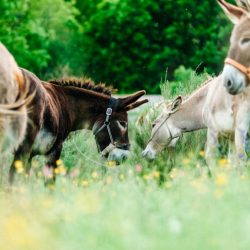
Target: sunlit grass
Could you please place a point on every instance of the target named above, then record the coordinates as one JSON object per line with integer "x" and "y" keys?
{"x": 169, "y": 203}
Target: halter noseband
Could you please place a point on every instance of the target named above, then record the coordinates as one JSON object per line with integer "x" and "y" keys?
{"x": 169, "y": 131}
{"x": 240, "y": 67}
{"x": 112, "y": 106}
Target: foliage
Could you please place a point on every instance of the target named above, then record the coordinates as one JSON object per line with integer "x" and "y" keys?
{"x": 127, "y": 43}
{"x": 131, "y": 43}
{"x": 186, "y": 81}
{"x": 38, "y": 32}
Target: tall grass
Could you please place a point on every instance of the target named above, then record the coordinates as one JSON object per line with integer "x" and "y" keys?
{"x": 170, "y": 203}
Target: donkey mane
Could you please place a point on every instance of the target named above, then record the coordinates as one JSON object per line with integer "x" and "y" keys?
{"x": 84, "y": 83}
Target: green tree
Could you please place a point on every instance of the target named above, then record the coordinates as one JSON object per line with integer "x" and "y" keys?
{"x": 131, "y": 43}
{"x": 41, "y": 34}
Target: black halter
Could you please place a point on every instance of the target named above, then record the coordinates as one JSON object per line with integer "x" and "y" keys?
{"x": 111, "y": 107}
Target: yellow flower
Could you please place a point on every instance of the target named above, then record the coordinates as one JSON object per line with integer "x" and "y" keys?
{"x": 156, "y": 174}
{"x": 62, "y": 170}
{"x": 223, "y": 162}
{"x": 56, "y": 171}
{"x": 174, "y": 173}
{"x": 202, "y": 153}
{"x": 85, "y": 183}
{"x": 111, "y": 164}
{"x": 59, "y": 162}
{"x": 122, "y": 177}
{"x": 19, "y": 166}
{"x": 94, "y": 175}
{"x": 221, "y": 180}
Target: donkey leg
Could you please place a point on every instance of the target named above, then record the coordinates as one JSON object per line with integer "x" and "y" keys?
{"x": 240, "y": 143}
{"x": 23, "y": 154}
{"x": 211, "y": 146}
{"x": 52, "y": 158}
{"x": 20, "y": 155}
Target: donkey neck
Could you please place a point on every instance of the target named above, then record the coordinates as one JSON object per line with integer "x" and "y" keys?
{"x": 190, "y": 115}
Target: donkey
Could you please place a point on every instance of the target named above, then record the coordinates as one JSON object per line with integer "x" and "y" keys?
{"x": 62, "y": 106}
{"x": 178, "y": 117}
{"x": 210, "y": 107}
{"x": 236, "y": 72}
{"x": 13, "y": 106}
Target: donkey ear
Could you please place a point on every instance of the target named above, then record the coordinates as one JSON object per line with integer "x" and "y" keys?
{"x": 136, "y": 104}
{"x": 176, "y": 104}
{"x": 126, "y": 101}
{"x": 234, "y": 13}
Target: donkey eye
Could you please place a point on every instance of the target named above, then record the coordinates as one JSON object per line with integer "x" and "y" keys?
{"x": 153, "y": 125}
{"x": 123, "y": 124}
{"x": 245, "y": 40}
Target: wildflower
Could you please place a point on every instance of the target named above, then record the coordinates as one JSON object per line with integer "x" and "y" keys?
{"x": 138, "y": 168}
{"x": 221, "y": 180}
{"x": 223, "y": 162}
{"x": 122, "y": 177}
{"x": 59, "y": 162}
{"x": 111, "y": 164}
{"x": 94, "y": 175}
{"x": 62, "y": 170}
{"x": 19, "y": 166}
{"x": 202, "y": 153}
{"x": 173, "y": 173}
{"x": 85, "y": 183}
{"x": 56, "y": 171}
{"x": 156, "y": 174}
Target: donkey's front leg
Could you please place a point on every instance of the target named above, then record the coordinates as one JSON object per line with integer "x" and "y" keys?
{"x": 211, "y": 146}
{"x": 52, "y": 158}
{"x": 240, "y": 142}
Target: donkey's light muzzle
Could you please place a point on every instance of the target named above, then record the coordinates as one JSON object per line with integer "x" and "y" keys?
{"x": 235, "y": 76}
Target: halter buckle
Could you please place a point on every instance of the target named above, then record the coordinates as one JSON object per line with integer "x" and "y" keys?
{"x": 109, "y": 111}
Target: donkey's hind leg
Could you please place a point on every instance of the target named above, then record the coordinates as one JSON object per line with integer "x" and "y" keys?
{"x": 23, "y": 154}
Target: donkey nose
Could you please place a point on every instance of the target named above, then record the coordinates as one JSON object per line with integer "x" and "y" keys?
{"x": 229, "y": 83}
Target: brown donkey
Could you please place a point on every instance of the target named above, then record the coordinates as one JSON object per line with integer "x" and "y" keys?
{"x": 60, "y": 107}
{"x": 13, "y": 104}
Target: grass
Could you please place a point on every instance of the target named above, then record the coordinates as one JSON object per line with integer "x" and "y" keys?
{"x": 170, "y": 203}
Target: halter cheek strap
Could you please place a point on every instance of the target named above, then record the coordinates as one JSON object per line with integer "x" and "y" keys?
{"x": 106, "y": 124}
{"x": 171, "y": 137}
{"x": 238, "y": 66}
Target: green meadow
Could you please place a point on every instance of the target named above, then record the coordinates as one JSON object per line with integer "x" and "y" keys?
{"x": 170, "y": 203}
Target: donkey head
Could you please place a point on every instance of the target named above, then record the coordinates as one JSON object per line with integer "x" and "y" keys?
{"x": 236, "y": 72}
{"x": 111, "y": 127}
{"x": 164, "y": 134}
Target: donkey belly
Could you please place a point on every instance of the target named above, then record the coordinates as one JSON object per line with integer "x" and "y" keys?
{"x": 43, "y": 142}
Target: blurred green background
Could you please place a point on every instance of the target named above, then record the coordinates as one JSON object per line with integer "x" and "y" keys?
{"x": 126, "y": 43}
